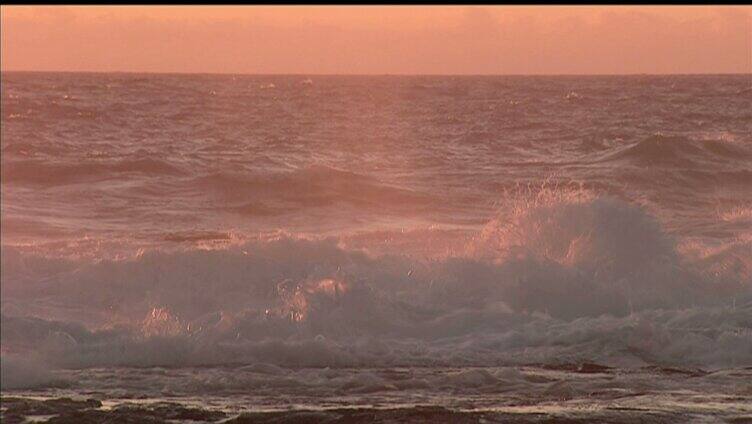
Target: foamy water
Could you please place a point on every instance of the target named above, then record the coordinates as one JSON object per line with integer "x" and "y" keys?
{"x": 573, "y": 246}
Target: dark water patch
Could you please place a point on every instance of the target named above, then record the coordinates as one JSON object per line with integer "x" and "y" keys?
{"x": 66, "y": 410}
{"x": 16, "y": 410}
{"x": 581, "y": 368}
{"x": 687, "y": 372}
{"x": 319, "y": 186}
{"x": 48, "y": 173}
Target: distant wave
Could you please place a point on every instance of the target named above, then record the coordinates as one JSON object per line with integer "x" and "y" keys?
{"x": 45, "y": 172}
{"x": 679, "y": 151}
{"x": 315, "y": 186}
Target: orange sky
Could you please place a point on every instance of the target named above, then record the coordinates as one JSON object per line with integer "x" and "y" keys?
{"x": 379, "y": 39}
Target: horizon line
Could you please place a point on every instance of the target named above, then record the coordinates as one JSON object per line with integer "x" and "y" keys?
{"x": 372, "y": 74}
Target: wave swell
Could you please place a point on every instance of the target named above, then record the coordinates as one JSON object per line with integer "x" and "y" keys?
{"x": 563, "y": 275}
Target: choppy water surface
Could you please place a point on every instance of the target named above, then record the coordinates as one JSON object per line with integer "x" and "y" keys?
{"x": 417, "y": 248}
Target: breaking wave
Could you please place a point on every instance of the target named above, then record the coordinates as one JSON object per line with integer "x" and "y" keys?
{"x": 558, "y": 275}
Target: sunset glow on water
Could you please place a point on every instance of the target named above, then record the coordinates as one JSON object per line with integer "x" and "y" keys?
{"x": 299, "y": 236}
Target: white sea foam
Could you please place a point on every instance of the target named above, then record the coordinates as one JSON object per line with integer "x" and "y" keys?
{"x": 26, "y": 372}
{"x": 560, "y": 278}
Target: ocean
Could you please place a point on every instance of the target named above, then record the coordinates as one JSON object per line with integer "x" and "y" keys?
{"x": 280, "y": 248}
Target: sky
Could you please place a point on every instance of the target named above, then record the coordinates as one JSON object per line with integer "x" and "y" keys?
{"x": 378, "y": 39}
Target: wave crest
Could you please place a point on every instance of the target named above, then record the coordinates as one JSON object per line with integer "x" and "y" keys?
{"x": 558, "y": 272}
{"x": 679, "y": 151}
